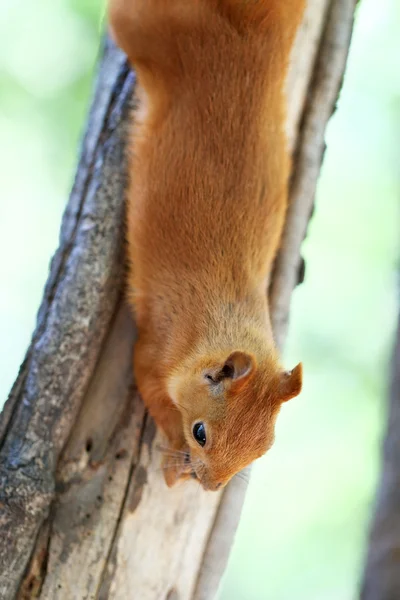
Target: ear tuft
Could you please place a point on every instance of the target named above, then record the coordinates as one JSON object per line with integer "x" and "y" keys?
{"x": 291, "y": 383}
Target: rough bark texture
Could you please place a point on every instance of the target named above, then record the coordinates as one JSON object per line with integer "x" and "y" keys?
{"x": 84, "y": 512}
{"x": 382, "y": 571}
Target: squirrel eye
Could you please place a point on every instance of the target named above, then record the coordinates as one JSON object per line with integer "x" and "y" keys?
{"x": 199, "y": 433}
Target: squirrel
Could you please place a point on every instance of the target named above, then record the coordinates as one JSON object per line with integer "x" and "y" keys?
{"x": 206, "y": 204}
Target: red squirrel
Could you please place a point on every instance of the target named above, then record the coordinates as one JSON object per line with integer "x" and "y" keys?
{"x": 206, "y": 206}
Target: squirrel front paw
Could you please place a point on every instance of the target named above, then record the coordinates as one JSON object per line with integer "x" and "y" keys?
{"x": 176, "y": 465}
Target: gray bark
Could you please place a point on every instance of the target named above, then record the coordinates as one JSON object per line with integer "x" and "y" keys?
{"x": 84, "y": 512}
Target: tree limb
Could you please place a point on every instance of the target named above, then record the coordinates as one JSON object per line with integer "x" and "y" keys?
{"x": 84, "y": 511}
{"x": 382, "y": 570}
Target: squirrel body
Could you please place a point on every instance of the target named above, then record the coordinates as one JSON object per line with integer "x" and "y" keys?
{"x": 205, "y": 210}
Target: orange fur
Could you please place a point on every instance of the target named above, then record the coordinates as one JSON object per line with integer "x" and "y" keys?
{"x": 206, "y": 207}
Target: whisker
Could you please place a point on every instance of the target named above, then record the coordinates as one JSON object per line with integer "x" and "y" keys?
{"x": 172, "y": 465}
{"x": 161, "y": 447}
{"x": 176, "y": 454}
{"x": 166, "y": 450}
{"x": 196, "y": 464}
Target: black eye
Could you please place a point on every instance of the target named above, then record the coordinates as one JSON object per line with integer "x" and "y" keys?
{"x": 199, "y": 433}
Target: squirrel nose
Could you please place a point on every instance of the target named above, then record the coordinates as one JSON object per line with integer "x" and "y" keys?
{"x": 211, "y": 487}
{"x": 216, "y": 486}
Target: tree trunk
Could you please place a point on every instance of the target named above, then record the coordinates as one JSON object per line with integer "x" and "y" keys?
{"x": 84, "y": 511}
{"x": 382, "y": 571}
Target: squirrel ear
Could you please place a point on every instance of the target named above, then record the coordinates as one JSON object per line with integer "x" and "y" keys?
{"x": 237, "y": 367}
{"x": 291, "y": 383}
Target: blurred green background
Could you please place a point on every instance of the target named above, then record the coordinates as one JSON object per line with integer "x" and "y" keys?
{"x": 302, "y": 534}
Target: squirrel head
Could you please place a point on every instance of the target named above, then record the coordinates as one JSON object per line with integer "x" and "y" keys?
{"x": 229, "y": 407}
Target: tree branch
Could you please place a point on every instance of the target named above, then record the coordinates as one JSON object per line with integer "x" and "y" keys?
{"x": 382, "y": 570}
{"x": 79, "y": 300}
{"x": 84, "y": 511}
